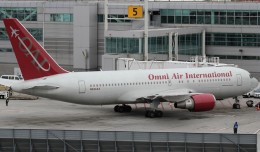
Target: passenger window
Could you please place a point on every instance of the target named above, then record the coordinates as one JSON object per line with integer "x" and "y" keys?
{"x": 4, "y": 77}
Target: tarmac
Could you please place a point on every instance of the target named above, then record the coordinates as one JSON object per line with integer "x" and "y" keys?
{"x": 51, "y": 114}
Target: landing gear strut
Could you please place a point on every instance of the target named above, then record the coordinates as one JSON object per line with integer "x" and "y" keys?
{"x": 123, "y": 108}
{"x": 154, "y": 112}
{"x": 236, "y": 105}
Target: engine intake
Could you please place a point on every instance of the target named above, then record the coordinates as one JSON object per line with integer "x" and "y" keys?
{"x": 197, "y": 103}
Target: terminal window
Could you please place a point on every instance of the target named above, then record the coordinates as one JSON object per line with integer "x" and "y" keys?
{"x": 65, "y": 17}
{"x": 193, "y": 16}
{"x": 21, "y": 13}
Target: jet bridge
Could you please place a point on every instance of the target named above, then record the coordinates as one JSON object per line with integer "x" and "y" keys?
{"x": 114, "y": 63}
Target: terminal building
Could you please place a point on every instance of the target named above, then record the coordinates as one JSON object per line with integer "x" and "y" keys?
{"x": 73, "y": 32}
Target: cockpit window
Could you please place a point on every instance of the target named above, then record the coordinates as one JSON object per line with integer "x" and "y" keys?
{"x": 250, "y": 76}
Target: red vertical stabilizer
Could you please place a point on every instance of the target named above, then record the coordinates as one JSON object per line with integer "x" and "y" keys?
{"x": 32, "y": 58}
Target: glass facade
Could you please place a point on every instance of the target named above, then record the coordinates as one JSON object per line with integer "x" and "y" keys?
{"x": 122, "y": 45}
{"x": 158, "y": 45}
{"x": 21, "y": 13}
{"x": 36, "y": 33}
{"x": 241, "y": 57}
{"x": 227, "y": 17}
{"x": 233, "y": 39}
{"x": 65, "y": 17}
{"x": 190, "y": 44}
{"x": 119, "y": 18}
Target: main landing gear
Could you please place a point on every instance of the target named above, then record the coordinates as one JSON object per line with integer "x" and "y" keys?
{"x": 236, "y": 105}
{"x": 154, "y": 112}
{"x": 123, "y": 108}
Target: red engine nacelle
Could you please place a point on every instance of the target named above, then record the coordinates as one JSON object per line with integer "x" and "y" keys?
{"x": 197, "y": 103}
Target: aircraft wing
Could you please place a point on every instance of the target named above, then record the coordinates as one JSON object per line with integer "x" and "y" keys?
{"x": 170, "y": 95}
{"x": 175, "y": 95}
{"x": 43, "y": 87}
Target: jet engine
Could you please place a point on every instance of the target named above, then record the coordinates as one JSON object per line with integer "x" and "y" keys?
{"x": 197, "y": 103}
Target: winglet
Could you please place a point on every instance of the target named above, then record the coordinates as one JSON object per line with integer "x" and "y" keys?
{"x": 32, "y": 58}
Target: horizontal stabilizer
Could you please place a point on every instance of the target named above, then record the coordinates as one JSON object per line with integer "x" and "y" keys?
{"x": 43, "y": 87}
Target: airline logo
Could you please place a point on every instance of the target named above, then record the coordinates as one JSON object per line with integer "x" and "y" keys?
{"x": 26, "y": 46}
{"x": 190, "y": 75}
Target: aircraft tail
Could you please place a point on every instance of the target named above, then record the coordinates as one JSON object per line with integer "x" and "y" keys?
{"x": 32, "y": 58}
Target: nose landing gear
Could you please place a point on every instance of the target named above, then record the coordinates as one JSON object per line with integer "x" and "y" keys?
{"x": 236, "y": 105}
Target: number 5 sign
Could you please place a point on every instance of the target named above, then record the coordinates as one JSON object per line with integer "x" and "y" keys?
{"x": 135, "y": 11}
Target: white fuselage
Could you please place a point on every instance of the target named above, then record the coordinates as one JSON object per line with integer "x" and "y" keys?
{"x": 114, "y": 87}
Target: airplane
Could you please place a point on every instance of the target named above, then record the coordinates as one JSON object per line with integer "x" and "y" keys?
{"x": 195, "y": 89}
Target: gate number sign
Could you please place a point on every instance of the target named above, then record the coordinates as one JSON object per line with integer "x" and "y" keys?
{"x": 135, "y": 11}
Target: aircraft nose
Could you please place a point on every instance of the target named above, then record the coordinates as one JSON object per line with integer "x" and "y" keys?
{"x": 254, "y": 83}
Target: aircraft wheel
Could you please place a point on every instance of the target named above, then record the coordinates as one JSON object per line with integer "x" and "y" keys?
{"x": 147, "y": 113}
{"x": 121, "y": 109}
{"x": 236, "y": 106}
{"x": 128, "y": 108}
{"x": 116, "y": 108}
{"x": 152, "y": 114}
{"x": 2, "y": 97}
{"x": 158, "y": 113}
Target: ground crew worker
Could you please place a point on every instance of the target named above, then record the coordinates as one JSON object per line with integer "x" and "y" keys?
{"x": 7, "y": 101}
{"x": 235, "y": 127}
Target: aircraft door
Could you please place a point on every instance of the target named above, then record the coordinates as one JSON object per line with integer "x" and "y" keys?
{"x": 169, "y": 82}
{"x": 239, "y": 80}
{"x": 82, "y": 86}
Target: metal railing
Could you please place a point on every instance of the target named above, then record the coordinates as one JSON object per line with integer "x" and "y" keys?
{"x": 83, "y": 140}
